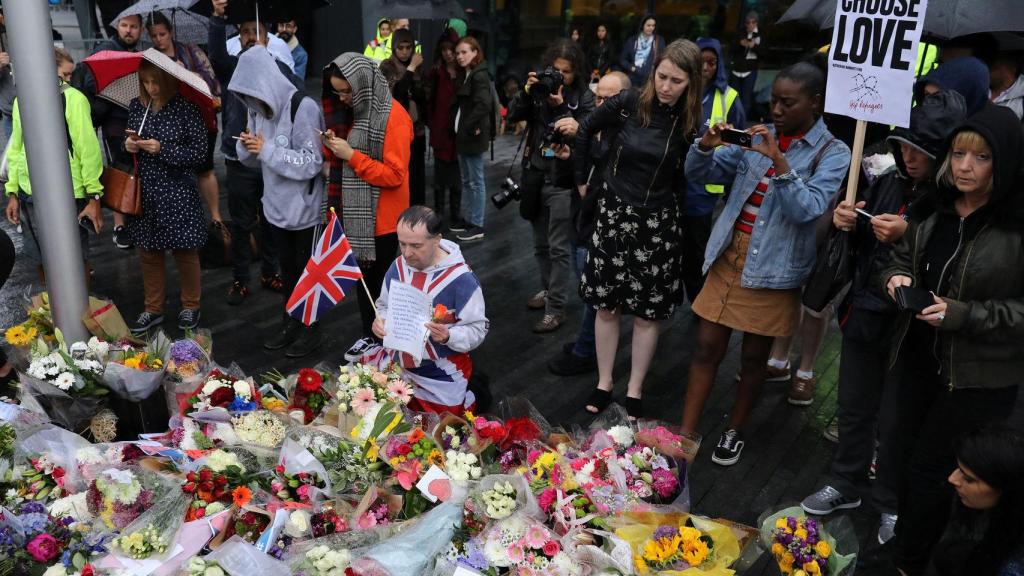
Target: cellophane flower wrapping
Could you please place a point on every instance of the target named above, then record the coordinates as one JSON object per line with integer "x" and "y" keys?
{"x": 414, "y": 549}
{"x": 639, "y": 529}
{"x": 350, "y": 470}
{"x": 135, "y": 384}
{"x": 118, "y": 494}
{"x": 240, "y": 558}
{"x": 296, "y": 459}
{"x": 154, "y": 532}
{"x": 64, "y": 410}
{"x": 839, "y": 534}
{"x": 60, "y": 447}
{"x": 486, "y": 502}
{"x": 354, "y": 544}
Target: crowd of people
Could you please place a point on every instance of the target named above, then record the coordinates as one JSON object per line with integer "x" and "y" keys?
{"x": 648, "y": 179}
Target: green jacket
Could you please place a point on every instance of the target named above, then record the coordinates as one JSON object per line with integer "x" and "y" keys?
{"x": 86, "y": 162}
{"x": 981, "y": 339}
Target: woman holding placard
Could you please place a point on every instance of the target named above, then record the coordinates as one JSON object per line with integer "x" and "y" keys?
{"x": 762, "y": 247}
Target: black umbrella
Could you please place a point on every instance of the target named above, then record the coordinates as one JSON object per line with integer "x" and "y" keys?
{"x": 944, "y": 18}
{"x": 240, "y": 11}
{"x": 418, "y": 9}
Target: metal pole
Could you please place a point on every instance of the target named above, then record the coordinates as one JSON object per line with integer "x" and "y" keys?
{"x": 42, "y": 124}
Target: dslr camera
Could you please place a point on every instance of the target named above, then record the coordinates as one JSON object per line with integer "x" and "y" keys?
{"x": 548, "y": 83}
{"x": 509, "y": 192}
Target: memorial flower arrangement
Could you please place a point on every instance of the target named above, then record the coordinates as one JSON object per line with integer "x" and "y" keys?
{"x": 324, "y": 561}
{"x": 32, "y": 539}
{"x": 411, "y": 456}
{"x": 116, "y": 496}
{"x": 260, "y": 428}
{"x": 361, "y": 387}
{"x": 298, "y": 487}
{"x": 802, "y": 546}
{"x": 199, "y": 567}
{"x": 186, "y": 359}
{"x": 43, "y": 480}
{"x": 222, "y": 391}
{"x": 650, "y": 476}
{"x": 79, "y": 374}
{"x": 140, "y": 360}
{"x": 216, "y": 486}
{"x": 309, "y": 395}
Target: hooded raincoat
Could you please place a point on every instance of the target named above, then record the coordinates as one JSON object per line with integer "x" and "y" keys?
{"x": 291, "y": 158}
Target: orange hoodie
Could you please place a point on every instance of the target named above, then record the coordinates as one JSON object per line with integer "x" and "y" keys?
{"x": 391, "y": 174}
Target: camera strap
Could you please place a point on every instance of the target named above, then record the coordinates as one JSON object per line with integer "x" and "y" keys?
{"x": 519, "y": 148}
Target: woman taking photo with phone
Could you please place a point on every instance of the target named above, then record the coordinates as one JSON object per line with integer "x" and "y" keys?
{"x": 633, "y": 263}
{"x": 963, "y": 351}
{"x": 762, "y": 247}
{"x": 168, "y": 139}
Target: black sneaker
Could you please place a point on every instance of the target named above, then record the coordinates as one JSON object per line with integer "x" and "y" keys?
{"x": 145, "y": 321}
{"x": 459, "y": 226}
{"x": 307, "y": 342}
{"x": 569, "y": 364}
{"x": 729, "y": 448}
{"x": 237, "y": 294}
{"x": 121, "y": 238}
{"x": 471, "y": 233}
{"x": 287, "y": 333}
{"x": 360, "y": 348}
{"x": 188, "y": 318}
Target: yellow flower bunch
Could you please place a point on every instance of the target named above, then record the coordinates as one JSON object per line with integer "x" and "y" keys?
{"x": 685, "y": 545}
{"x": 20, "y": 335}
{"x": 273, "y": 404}
{"x": 142, "y": 361}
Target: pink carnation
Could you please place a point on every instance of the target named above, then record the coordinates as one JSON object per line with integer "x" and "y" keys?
{"x": 664, "y": 483}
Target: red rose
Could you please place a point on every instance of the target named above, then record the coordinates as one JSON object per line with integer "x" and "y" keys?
{"x": 205, "y": 475}
{"x": 309, "y": 380}
{"x": 206, "y": 486}
{"x": 88, "y": 571}
{"x": 220, "y": 480}
{"x": 404, "y": 449}
{"x": 189, "y": 487}
{"x": 222, "y": 396}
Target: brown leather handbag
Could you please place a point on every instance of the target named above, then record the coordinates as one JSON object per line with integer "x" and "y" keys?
{"x": 121, "y": 190}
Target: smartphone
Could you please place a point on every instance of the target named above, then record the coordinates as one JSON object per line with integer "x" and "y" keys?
{"x": 84, "y": 222}
{"x": 915, "y": 299}
{"x": 131, "y": 133}
{"x": 737, "y": 137}
{"x": 864, "y": 213}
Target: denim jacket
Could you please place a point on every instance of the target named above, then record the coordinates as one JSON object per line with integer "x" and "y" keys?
{"x": 783, "y": 247}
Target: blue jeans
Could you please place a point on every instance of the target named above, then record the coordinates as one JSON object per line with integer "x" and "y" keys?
{"x": 474, "y": 190}
{"x": 585, "y": 346}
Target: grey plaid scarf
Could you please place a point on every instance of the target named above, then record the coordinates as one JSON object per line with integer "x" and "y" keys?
{"x": 371, "y": 106}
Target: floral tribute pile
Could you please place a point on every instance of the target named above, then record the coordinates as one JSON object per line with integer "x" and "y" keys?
{"x": 328, "y": 472}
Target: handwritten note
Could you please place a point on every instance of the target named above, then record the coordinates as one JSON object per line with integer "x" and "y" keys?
{"x": 408, "y": 313}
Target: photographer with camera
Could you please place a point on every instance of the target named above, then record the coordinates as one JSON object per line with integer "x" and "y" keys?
{"x": 559, "y": 91}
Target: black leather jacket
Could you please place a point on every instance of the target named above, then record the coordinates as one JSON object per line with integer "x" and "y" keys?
{"x": 577, "y": 102}
{"x": 644, "y": 166}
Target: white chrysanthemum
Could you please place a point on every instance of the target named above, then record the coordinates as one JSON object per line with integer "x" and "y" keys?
{"x": 89, "y": 455}
{"x": 622, "y": 435}
{"x": 219, "y": 460}
{"x": 242, "y": 389}
{"x": 75, "y": 506}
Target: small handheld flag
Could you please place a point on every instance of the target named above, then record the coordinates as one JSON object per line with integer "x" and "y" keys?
{"x": 331, "y": 272}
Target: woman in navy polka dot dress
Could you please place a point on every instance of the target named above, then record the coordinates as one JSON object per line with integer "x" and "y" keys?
{"x": 169, "y": 143}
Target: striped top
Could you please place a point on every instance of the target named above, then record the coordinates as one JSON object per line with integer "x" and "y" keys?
{"x": 748, "y": 215}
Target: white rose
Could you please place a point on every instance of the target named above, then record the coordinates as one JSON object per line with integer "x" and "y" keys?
{"x": 298, "y": 524}
{"x": 211, "y": 387}
{"x": 55, "y": 570}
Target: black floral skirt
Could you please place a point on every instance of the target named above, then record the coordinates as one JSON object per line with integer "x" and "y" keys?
{"x": 633, "y": 264}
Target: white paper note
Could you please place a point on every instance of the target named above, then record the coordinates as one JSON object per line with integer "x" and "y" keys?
{"x": 408, "y": 313}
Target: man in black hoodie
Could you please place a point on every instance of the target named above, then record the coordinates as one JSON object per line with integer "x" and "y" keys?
{"x": 245, "y": 185}
{"x": 867, "y": 400}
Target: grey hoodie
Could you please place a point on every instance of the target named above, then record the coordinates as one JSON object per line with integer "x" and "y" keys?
{"x": 1013, "y": 98}
{"x": 291, "y": 158}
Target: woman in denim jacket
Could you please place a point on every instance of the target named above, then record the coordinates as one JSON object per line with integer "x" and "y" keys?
{"x": 762, "y": 247}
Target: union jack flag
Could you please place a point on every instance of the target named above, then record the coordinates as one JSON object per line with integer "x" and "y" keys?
{"x": 331, "y": 272}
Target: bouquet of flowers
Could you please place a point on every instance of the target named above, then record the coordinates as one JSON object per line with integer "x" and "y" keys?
{"x": 65, "y": 385}
{"x": 119, "y": 495}
{"x": 801, "y": 545}
{"x": 661, "y": 438}
{"x": 221, "y": 391}
{"x": 678, "y": 543}
{"x": 32, "y": 539}
{"x": 189, "y": 357}
{"x": 651, "y": 476}
{"x": 261, "y": 428}
{"x": 43, "y": 480}
{"x": 453, "y": 434}
{"x": 134, "y": 372}
{"x": 197, "y": 566}
{"x": 301, "y": 487}
{"x": 195, "y": 436}
{"x": 349, "y": 468}
{"x": 153, "y": 531}
{"x": 248, "y": 524}
{"x": 38, "y": 325}
{"x": 323, "y": 561}
{"x": 411, "y": 456}
{"x": 377, "y": 508}
{"x": 362, "y": 387}
{"x": 217, "y": 484}
{"x": 306, "y": 391}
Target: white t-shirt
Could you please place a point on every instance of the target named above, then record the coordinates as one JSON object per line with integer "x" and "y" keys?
{"x": 278, "y": 49}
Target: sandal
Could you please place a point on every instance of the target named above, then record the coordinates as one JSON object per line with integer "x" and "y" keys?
{"x": 599, "y": 399}
{"x": 633, "y": 408}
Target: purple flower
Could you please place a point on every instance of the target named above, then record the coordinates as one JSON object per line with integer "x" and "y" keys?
{"x": 33, "y": 508}
{"x": 791, "y": 522}
{"x": 185, "y": 351}
{"x": 665, "y": 531}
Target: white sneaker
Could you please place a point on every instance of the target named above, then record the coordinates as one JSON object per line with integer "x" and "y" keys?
{"x": 362, "y": 347}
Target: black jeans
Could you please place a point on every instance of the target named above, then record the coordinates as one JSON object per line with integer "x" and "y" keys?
{"x": 418, "y": 171}
{"x": 386, "y": 247}
{"x": 931, "y": 418}
{"x": 868, "y": 410}
{"x": 293, "y": 250}
{"x": 696, "y": 231}
{"x": 446, "y": 177}
{"x": 245, "y": 205}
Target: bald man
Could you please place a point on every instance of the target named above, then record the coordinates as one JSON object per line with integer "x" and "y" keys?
{"x": 580, "y": 356}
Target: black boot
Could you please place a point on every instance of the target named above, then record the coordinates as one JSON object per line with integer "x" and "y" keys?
{"x": 307, "y": 342}
{"x": 287, "y": 332}
{"x": 455, "y": 206}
